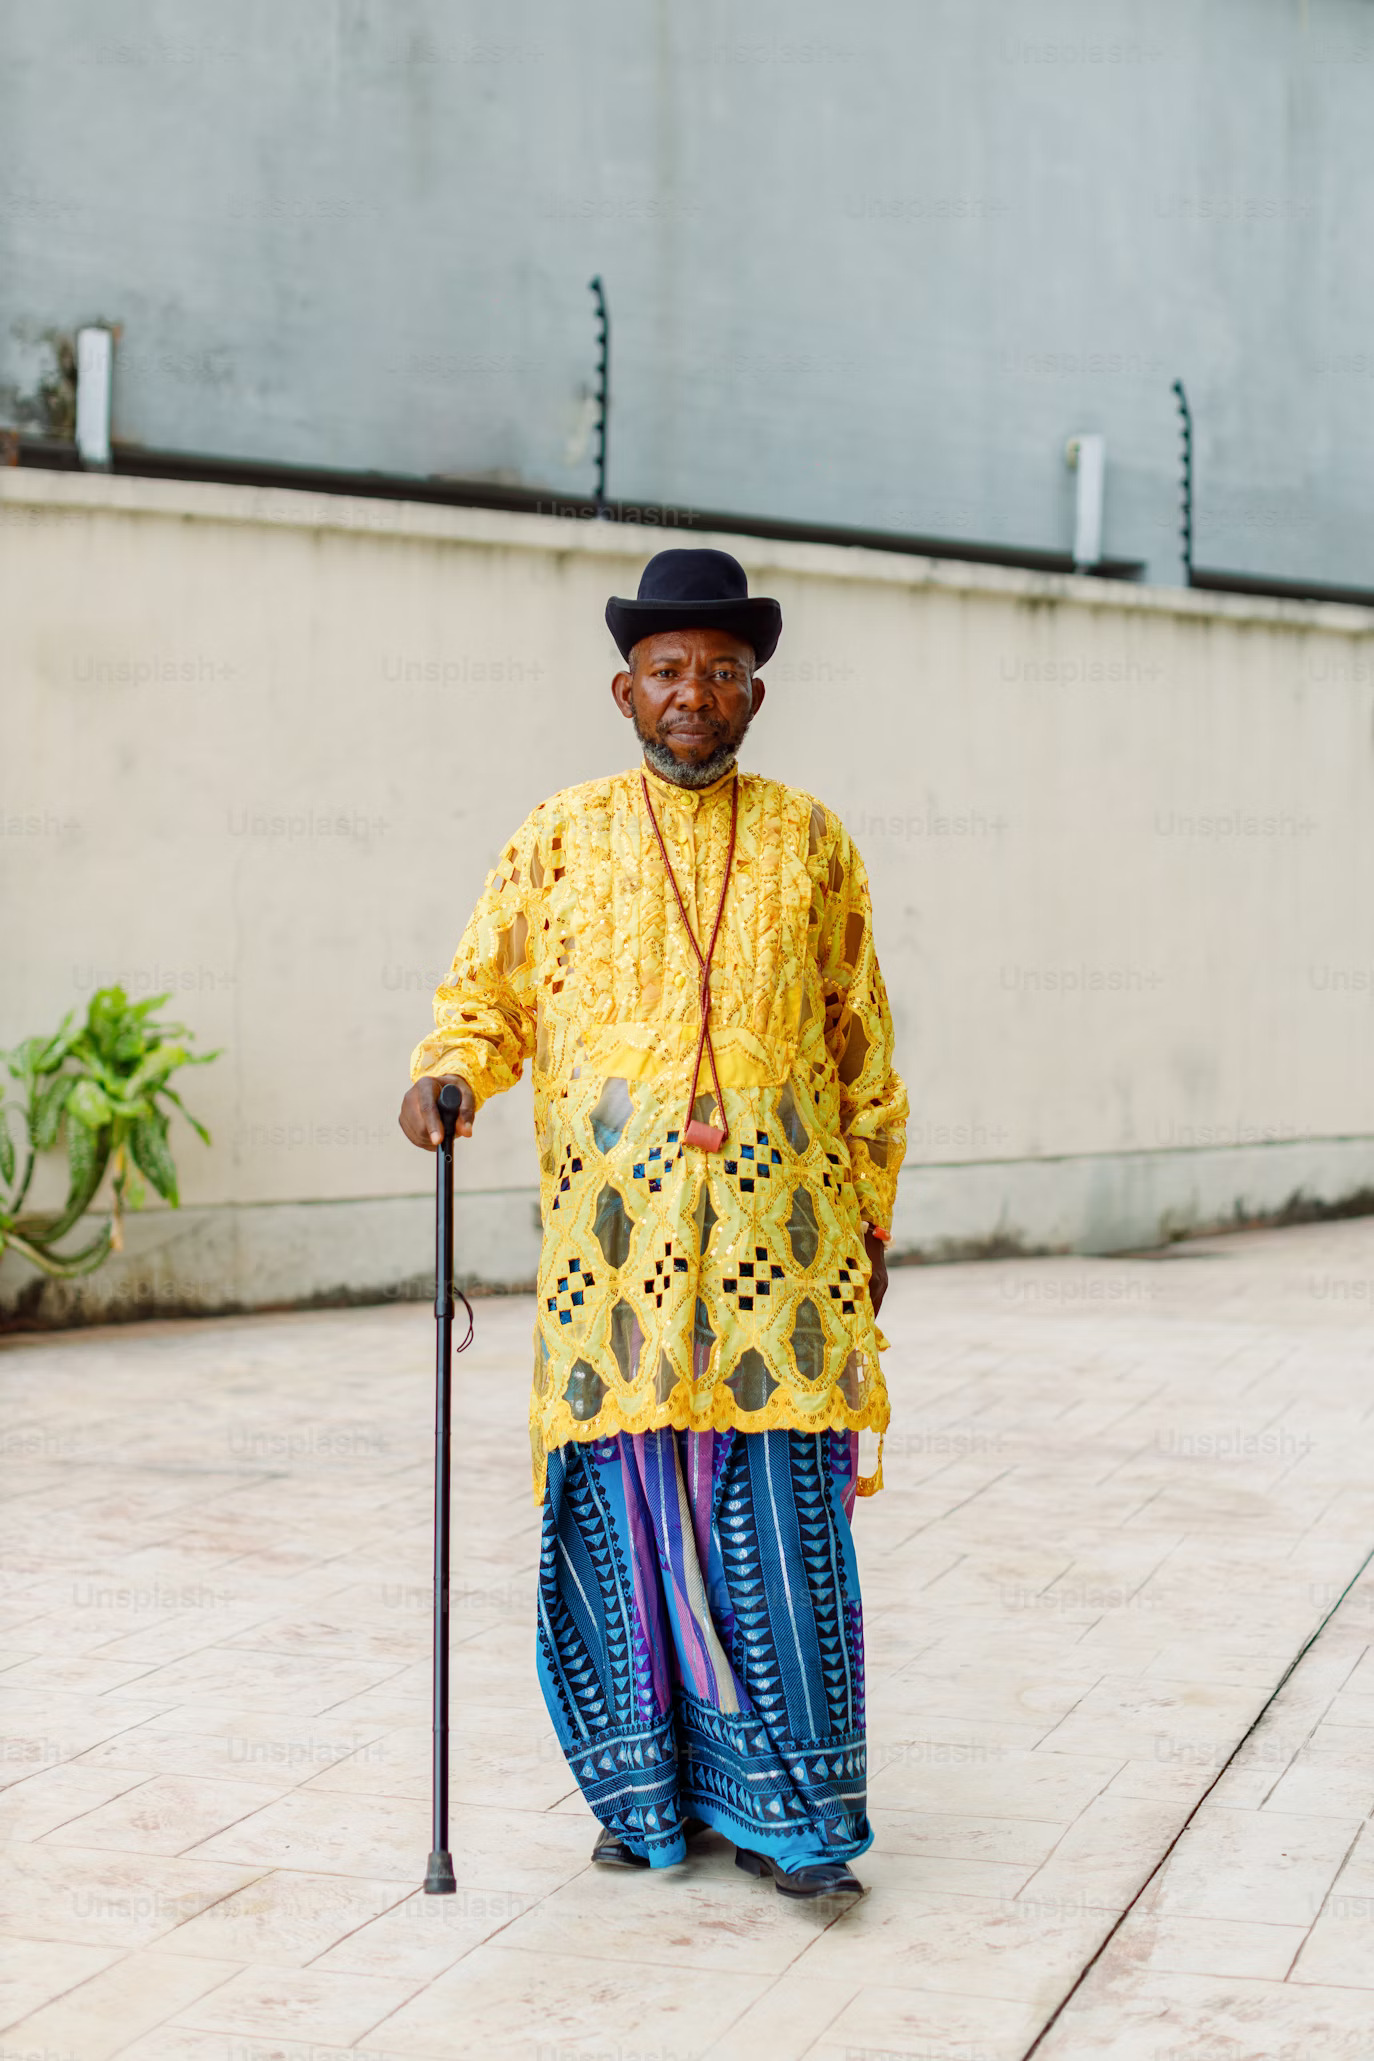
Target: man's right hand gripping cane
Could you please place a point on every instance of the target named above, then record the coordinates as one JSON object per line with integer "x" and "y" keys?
{"x": 420, "y": 1119}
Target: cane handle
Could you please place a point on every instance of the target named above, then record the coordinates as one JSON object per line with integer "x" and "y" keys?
{"x": 450, "y": 1100}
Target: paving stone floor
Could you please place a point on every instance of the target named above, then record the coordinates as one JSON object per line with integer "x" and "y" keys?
{"x": 1123, "y": 1496}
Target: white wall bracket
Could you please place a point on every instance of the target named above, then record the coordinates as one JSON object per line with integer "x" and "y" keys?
{"x": 1087, "y": 456}
{"x": 94, "y": 389}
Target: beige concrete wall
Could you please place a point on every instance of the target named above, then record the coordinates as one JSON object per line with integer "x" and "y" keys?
{"x": 260, "y": 748}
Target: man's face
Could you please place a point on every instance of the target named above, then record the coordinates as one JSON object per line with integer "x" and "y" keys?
{"x": 691, "y": 693}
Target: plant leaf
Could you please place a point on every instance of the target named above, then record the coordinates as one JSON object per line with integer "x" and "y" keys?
{"x": 6, "y": 1148}
{"x": 64, "y": 1267}
{"x": 86, "y": 1157}
{"x": 23, "y": 1059}
{"x": 194, "y": 1121}
{"x": 58, "y": 1045}
{"x": 156, "y": 1066}
{"x": 106, "y": 1010}
{"x": 148, "y": 1143}
{"x": 90, "y": 1105}
{"x": 131, "y": 1108}
{"x": 48, "y": 1111}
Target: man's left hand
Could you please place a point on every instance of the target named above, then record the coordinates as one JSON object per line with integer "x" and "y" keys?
{"x": 877, "y": 1260}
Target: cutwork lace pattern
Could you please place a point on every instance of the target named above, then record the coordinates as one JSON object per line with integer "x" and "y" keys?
{"x": 677, "y": 1286}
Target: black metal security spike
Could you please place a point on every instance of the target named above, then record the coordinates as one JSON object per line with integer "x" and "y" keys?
{"x": 603, "y": 387}
{"x": 1186, "y": 424}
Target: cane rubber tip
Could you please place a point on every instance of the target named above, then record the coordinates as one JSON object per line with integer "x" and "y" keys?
{"x": 439, "y": 1876}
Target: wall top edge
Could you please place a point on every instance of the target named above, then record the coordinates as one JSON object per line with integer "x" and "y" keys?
{"x": 496, "y": 529}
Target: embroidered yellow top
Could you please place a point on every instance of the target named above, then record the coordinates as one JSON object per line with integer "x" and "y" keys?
{"x": 676, "y": 1285}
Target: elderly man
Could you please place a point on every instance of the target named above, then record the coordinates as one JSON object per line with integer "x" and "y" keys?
{"x": 685, "y": 952}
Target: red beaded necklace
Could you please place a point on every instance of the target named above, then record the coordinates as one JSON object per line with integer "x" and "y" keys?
{"x": 710, "y": 1137}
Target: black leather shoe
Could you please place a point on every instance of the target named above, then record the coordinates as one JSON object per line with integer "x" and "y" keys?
{"x": 691, "y": 1827}
{"x": 816, "y": 1879}
{"x": 611, "y": 1851}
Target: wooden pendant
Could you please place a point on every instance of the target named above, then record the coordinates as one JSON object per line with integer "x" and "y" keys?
{"x": 708, "y": 1137}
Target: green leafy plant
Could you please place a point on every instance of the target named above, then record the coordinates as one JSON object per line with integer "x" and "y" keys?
{"x": 101, "y": 1088}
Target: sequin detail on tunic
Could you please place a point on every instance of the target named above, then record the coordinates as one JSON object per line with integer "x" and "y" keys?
{"x": 679, "y": 1287}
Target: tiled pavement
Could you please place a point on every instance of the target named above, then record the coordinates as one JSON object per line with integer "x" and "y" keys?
{"x": 1122, "y": 1494}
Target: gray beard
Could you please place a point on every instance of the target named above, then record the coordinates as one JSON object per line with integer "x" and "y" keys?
{"x": 669, "y": 768}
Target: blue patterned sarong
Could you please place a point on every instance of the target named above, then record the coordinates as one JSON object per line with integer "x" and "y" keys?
{"x": 701, "y": 1638}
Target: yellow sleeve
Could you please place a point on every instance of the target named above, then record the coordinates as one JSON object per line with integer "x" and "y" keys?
{"x": 485, "y": 1013}
{"x": 858, "y": 1031}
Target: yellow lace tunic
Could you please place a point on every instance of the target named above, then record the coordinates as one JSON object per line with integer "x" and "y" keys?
{"x": 678, "y": 1286}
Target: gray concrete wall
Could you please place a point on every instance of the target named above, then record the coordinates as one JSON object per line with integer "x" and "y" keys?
{"x": 867, "y": 266}
{"x": 260, "y": 749}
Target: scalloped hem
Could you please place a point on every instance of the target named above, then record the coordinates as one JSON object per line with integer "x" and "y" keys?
{"x": 778, "y": 1414}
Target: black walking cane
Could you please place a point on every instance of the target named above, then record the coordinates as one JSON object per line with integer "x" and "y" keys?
{"x": 439, "y": 1874}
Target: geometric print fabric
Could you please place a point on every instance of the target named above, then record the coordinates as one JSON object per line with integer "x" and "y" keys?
{"x": 745, "y": 1710}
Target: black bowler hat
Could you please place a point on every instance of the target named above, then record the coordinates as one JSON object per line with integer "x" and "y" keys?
{"x": 696, "y": 590}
